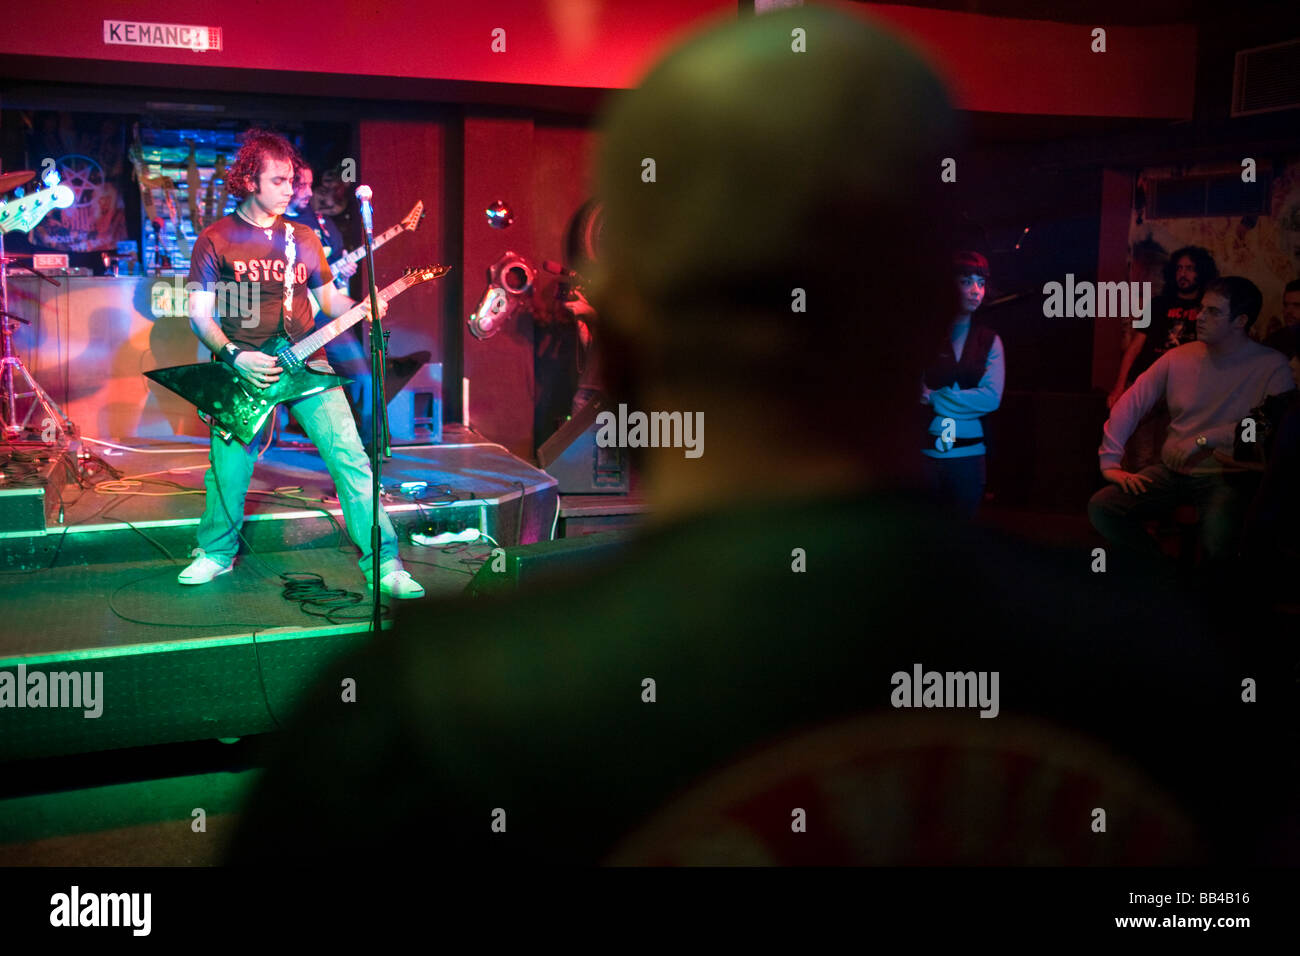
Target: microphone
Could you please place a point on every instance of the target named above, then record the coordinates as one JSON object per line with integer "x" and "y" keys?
{"x": 367, "y": 216}
{"x": 555, "y": 269}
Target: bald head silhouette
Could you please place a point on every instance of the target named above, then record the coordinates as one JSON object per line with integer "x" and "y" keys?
{"x": 743, "y": 176}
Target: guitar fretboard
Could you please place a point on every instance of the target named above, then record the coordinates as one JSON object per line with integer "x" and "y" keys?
{"x": 304, "y": 349}
{"x": 359, "y": 253}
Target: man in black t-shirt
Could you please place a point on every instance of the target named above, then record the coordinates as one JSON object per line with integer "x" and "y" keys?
{"x": 1173, "y": 315}
{"x": 1173, "y": 323}
{"x": 265, "y": 263}
{"x": 302, "y": 210}
{"x": 348, "y": 353}
{"x": 235, "y": 250}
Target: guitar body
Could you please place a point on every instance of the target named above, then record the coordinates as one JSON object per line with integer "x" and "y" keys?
{"x": 238, "y": 409}
{"x": 235, "y": 407}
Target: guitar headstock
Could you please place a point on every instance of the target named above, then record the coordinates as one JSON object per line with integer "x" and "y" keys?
{"x": 416, "y": 276}
{"x": 413, "y": 218}
{"x": 25, "y": 213}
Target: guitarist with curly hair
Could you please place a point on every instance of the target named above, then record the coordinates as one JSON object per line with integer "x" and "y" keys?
{"x": 272, "y": 262}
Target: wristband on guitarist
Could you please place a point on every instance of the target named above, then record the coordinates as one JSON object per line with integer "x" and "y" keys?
{"x": 228, "y": 353}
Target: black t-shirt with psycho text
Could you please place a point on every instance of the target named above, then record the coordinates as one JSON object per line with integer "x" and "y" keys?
{"x": 234, "y": 251}
{"x": 1173, "y": 323}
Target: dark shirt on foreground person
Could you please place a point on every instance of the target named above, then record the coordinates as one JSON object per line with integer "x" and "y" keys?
{"x": 533, "y": 704}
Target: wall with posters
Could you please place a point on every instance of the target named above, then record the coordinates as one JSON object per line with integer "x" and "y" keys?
{"x": 88, "y": 151}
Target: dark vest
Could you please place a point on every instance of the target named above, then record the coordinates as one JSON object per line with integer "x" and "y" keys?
{"x": 947, "y": 370}
{"x": 966, "y": 373}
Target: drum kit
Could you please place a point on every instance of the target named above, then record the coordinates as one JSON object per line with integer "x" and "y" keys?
{"x": 41, "y": 420}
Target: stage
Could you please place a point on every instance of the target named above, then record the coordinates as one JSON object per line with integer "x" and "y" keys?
{"x": 97, "y": 594}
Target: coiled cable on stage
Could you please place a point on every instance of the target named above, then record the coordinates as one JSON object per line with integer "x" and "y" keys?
{"x": 308, "y": 589}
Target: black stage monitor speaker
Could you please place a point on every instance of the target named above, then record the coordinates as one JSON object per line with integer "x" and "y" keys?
{"x": 572, "y": 457}
{"x": 543, "y": 562}
{"x": 31, "y": 509}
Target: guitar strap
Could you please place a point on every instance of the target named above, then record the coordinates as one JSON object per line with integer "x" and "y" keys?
{"x": 323, "y": 233}
{"x": 291, "y": 257}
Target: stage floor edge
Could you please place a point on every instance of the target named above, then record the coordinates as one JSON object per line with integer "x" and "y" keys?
{"x": 159, "y": 684}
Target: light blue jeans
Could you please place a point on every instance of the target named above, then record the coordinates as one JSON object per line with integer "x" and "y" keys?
{"x": 351, "y": 359}
{"x": 327, "y": 420}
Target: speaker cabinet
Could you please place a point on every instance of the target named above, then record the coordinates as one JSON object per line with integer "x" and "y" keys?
{"x": 415, "y": 413}
{"x": 546, "y": 561}
{"x": 572, "y": 457}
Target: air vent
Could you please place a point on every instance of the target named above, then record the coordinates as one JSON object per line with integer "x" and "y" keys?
{"x": 1267, "y": 79}
{"x": 1197, "y": 196}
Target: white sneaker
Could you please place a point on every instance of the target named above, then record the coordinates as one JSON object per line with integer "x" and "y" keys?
{"x": 399, "y": 584}
{"x": 202, "y": 570}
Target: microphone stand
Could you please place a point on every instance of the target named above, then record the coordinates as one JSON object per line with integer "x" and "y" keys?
{"x": 378, "y": 412}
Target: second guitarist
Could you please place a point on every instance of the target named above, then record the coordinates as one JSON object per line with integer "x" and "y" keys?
{"x": 346, "y": 354}
{"x": 282, "y": 260}
{"x": 301, "y": 209}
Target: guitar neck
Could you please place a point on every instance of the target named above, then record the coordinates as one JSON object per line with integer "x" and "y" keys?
{"x": 326, "y": 333}
{"x": 359, "y": 253}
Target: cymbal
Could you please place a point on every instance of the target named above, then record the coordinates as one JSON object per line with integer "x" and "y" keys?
{"x": 10, "y": 181}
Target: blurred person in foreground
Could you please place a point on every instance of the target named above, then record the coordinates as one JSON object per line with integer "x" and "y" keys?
{"x": 739, "y": 667}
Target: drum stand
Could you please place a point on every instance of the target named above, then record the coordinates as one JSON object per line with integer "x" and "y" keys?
{"x": 53, "y": 426}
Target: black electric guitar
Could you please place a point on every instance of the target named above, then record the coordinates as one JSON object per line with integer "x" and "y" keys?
{"x": 239, "y": 409}
{"x": 409, "y": 224}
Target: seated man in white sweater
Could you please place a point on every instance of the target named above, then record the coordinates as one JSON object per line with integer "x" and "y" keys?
{"x": 1210, "y": 385}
